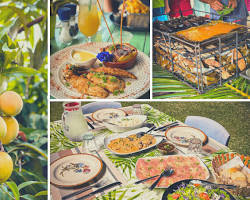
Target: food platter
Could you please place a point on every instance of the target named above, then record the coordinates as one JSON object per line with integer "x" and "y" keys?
{"x": 134, "y": 87}
{"x": 171, "y": 189}
{"x": 108, "y": 139}
{"x": 108, "y": 113}
{"x": 75, "y": 170}
{"x": 201, "y": 31}
{"x": 184, "y": 166}
{"x": 181, "y": 134}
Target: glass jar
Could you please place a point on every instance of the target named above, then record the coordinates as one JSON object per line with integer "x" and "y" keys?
{"x": 64, "y": 14}
{"x": 194, "y": 146}
{"x": 74, "y": 124}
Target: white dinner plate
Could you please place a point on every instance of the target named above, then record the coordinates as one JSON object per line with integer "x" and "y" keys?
{"x": 74, "y": 170}
{"x": 61, "y": 90}
{"x": 181, "y": 134}
{"x": 108, "y": 113}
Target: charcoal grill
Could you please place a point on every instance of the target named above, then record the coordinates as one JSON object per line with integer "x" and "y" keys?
{"x": 177, "y": 54}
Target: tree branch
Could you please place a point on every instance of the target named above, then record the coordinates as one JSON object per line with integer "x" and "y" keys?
{"x": 1, "y": 147}
{"x": 36, "y": 21}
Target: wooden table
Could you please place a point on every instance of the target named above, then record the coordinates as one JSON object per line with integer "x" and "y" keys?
{"x": 112, "y": 160}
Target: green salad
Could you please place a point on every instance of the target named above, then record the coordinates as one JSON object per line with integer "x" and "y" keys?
{"x": 197, "y": 191}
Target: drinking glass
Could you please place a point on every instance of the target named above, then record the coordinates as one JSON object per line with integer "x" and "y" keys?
{"x": 88, "y": 18}
{"x": 194, "y": 146}
{"x": 89, "y": 142}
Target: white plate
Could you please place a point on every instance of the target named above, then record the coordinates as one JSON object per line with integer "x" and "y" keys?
{"x": 119, "y": 129}
{"x": 82, "y": 168}
{"x": 108, "y": 113}
{"x": 59, "y": 89}
{"x": 126, "y": 134}
{"x": 181, "y": 134}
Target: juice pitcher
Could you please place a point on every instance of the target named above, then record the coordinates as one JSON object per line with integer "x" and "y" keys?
{"x": 74, "y": 124}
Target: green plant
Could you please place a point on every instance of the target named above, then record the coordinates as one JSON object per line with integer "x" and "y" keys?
{"x": 23, "y": 69}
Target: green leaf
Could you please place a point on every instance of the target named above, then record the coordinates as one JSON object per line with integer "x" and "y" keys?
{"x": 225, "y": 11}
{"x": 12, "y": 185}
{"x": 134, "y": 197}
{"x": 4, "y": 193}
{"x": 122, "y": 195}
{"x": 165, "y": 85}
{"x": 33, "y": 147}
{"x": 28, "y": 197}
{"x": 25, "y": 71}
{"x": 25, "y": 184}
{"x": 42, "y": 193}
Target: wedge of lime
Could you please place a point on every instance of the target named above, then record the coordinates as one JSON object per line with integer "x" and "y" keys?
{"x": 226, "y": 10}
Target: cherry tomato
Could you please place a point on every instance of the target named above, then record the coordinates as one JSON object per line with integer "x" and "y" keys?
{"x": 175, "y": 196}
{"x": 204, "y": 196}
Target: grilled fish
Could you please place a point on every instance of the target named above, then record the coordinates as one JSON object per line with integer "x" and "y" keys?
{"x": 85, "y": 86}
{"x": 114, "y": 72}
{"x": 111, "y": 83}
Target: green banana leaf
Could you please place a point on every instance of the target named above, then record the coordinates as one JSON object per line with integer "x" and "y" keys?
{"x": 165, "y": 85}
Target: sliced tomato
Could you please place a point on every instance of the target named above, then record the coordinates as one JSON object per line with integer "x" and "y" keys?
{"x": 204, "y": 196}
{"x": 175, "y": 196}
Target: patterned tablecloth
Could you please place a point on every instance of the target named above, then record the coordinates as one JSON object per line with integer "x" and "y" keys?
{"x": 121, "y": 168}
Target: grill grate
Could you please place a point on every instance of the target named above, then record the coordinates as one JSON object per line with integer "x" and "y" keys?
{"x": 201, "y": 65}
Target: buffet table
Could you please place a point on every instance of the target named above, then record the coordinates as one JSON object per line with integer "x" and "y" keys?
{"x": 121, "y": 169}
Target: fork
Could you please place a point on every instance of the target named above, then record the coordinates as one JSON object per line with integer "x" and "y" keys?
{"x": 101, "y": 183}
{"x": 93, "y": 121}
{"x": 167, "y": 172}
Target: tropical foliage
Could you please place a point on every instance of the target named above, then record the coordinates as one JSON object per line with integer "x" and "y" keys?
{"x": 165, "y": 85}
{"x": 23, "y": 69}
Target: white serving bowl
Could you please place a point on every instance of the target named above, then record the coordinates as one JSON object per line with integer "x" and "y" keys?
{"x": 83, "y": 64}
{"x": 127, "y": 123}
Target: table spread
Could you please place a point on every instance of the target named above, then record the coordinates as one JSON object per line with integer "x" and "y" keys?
{"x": 122, "y": 168}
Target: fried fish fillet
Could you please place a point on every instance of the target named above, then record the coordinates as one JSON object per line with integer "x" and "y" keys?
{"x": 114, "y": 72}
{"x": 110, "y": 83}
{"x": 85, "y": 86}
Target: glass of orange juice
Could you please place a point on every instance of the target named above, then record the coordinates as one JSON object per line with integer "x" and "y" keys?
{"x": 88, "y": 18}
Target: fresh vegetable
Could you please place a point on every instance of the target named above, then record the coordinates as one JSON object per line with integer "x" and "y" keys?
{"x": 198, "y": 192}
{"x": 226, "y": 10}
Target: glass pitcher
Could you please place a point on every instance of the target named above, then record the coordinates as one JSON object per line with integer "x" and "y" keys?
{"x": 74, "y": 124}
